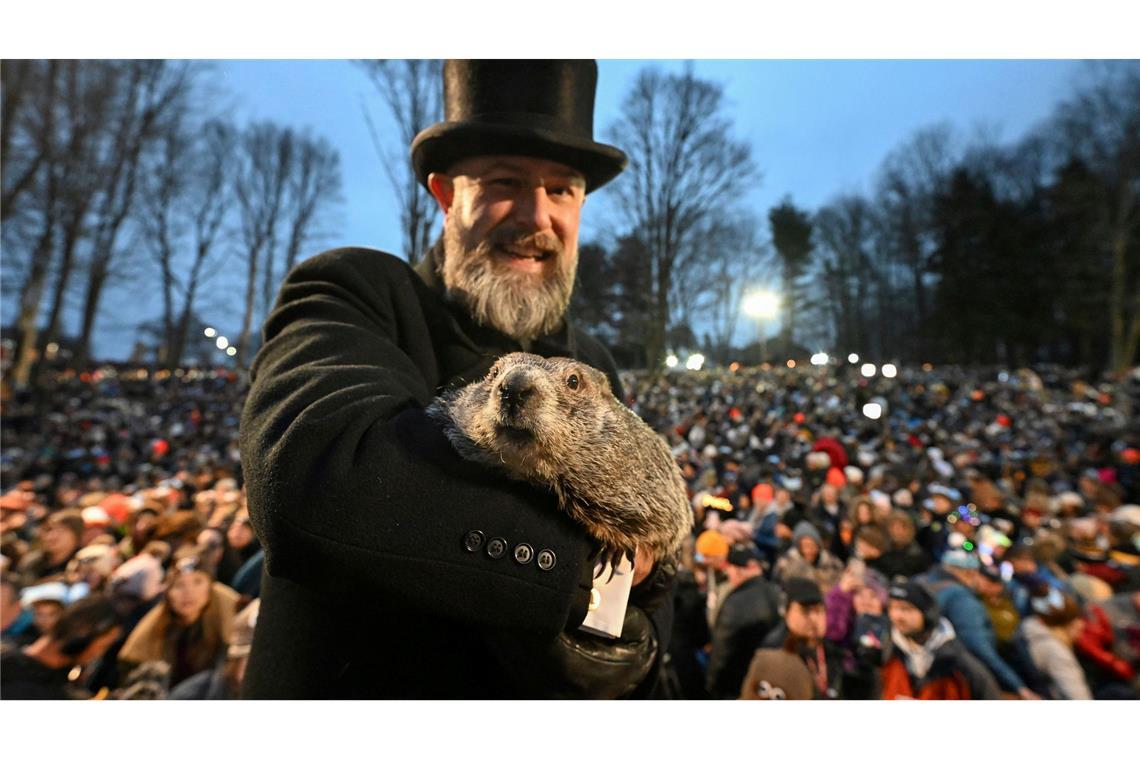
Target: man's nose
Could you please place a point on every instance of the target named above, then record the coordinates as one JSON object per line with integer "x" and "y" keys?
{"x": 532, "y": 209}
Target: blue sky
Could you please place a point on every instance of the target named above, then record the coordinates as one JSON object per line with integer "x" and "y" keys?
{"x": 817, "y": 128}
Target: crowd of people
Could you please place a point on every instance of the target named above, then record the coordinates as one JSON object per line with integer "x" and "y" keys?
{"x": 941, "y": 534}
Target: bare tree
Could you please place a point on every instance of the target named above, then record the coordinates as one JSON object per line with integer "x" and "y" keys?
{"x": 412, "y": 91}
{"x": 1100, "y": 127}
{"x": 843, "y": 234}
{"x": 314, "y": 187}
{"x": 150, "y": 91}
{"x": 908, "y": 180}
{"x": 684, "y": 164}
{"x": 265, "y": 158}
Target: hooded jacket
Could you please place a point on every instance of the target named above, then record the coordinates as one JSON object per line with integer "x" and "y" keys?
{"x": 938, "y": 668}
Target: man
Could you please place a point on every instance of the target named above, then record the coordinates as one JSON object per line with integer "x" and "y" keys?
{"x": 953, "y": 583}
{"x": 44, "y": 668}
{"x": 60, "y": 538}
{"x": 926, "y": 660}
{"x": 393, "y": 568}
{"x": 802, "y": 634}
{"x": 748, "y": 613}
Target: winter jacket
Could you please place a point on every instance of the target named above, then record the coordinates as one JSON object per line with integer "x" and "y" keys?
{"x": 971, "y": 624}
{"x": 749, "y": 612}
{"x": 1055, "y": 661}
{"x": 395, "y": 569}
{"x": 953, "y": 675}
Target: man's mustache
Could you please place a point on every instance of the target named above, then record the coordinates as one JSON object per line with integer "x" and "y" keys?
{"x": 509, "y": 237}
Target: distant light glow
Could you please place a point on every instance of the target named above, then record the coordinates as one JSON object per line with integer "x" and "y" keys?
{"x": 695, "y": 361}
{"x": 872, "y": 411}
{"x": 867, "y": 370}
{"x": 231, "y": 351}
{"x": 222, "y": 342}
{"x": 853, "y": 358}
{"x": 791, "y": 363}
{"x": 210, "y": 332}
{"x": 671, "y": 361}
{"x": 762, "y": 304}
{"x": 734, "y": 367}
{"x": 927, "y": 367}
{"x": 820, "y": 359}
{"x": 890, "y": 370}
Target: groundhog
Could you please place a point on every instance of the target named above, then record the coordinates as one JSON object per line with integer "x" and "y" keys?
{"x": 556, "y": 423}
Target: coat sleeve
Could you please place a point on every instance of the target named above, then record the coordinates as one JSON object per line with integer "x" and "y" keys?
{"x": 969, "y": 619}
{"x": 356, "y": 494}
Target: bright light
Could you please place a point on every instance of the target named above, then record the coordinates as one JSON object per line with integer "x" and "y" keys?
{"x": 231, "y": 351}
{"x": 210, "y": 332}
{"x": 762, "y": 304}
{"x": 867, "y": 370}
{"x": 872, "y": 411}
{"x": 734, "y": 367}
{"x": 695, "y": 362}
{"x": 671, "y": 361}
{"x": 818, "y": 360}
{"x": 791, "y": 363}
{"x": 221, "y": 342}
{"x": 889, "y": 370}
{"x": 927, "y": 367}
{"x": 853, "y": 358}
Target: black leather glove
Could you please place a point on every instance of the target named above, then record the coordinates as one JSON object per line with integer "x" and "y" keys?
{"x": 576, "y": 664}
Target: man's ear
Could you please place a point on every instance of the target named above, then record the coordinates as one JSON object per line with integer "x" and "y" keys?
{"x": 442, "y": 188}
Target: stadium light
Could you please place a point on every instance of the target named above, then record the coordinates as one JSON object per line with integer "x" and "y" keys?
{"x": 762, "y": 304}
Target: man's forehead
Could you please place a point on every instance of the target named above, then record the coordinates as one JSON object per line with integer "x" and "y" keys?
{"x": 520, "y": 164}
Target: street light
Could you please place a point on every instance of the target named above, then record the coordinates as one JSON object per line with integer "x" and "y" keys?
{"x": 671, "y": 361}
{"x": 210, "y": 332}
{"x": 890, "y": 370}
{"x": 222, "y": 342}
{"x": 819, "y": 359}
{"x": 695, "y": 362}
{"x": 867, "y": 370}
{"x": 231, "y": 351}
{"x": 853, "y": 358}
{"x": 761, "y": 305}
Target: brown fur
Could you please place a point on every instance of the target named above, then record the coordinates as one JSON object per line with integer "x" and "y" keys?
{"x": 610, "y": 471}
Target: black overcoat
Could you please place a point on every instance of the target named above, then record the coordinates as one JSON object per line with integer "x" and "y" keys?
{"x": 383, "y": 550}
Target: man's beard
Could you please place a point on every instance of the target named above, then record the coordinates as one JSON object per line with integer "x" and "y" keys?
{"x": 521, "y": 305}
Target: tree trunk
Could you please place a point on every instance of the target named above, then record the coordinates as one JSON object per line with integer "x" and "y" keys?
{"x": 247, "y": 320}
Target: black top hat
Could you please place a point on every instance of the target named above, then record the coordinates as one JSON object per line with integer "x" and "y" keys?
{"x": 543, "y": 109}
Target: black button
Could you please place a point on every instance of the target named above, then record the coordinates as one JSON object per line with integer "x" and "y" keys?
{"x": 496, "y": 547}
{"x": 473, "y": 541}
{"x": 546, "y": 559}
{"x": 523, "y": 554}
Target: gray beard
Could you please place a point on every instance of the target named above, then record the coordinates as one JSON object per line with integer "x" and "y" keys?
{"x": 516, "y": 304}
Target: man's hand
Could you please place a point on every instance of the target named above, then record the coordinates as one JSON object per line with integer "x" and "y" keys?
{"x": 579, "y": 665}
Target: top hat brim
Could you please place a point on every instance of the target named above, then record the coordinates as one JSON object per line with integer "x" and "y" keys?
{"x": 440, "y": 146}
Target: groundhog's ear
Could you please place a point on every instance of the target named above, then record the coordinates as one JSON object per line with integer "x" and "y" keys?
{"x": 602, "y": 381}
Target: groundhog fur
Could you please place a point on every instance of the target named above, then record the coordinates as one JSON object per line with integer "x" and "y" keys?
{"x": 556, "y": 423}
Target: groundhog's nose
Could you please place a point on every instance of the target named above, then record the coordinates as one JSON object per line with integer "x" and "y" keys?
{"x": 514, "y": 391}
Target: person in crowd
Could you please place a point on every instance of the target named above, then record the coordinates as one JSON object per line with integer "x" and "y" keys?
{"x": 926, "y": 660}
{"x": 953, "y": 582}
{"x": 808, "y": 559}
{"x": 802, "y": 633}
{"x": 225, "y": 679}
{"x": 60, "y": 538}
{"x": 904, "y": 557}
{"x": 17, "y": 624}
{"x": 749, "y": 612}
{"x": 188, "y": 629}
{"x": 47, "y": 668}
{"x": 999, "y": 604}
{"x": 1050, "y": 634}
{"x": 857, "y": 624}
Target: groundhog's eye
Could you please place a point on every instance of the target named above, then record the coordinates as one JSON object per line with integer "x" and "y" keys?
{"x": 572, "y": 382}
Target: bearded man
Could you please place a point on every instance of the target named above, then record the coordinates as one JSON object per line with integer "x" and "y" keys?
{"x": 393, "y": 568}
